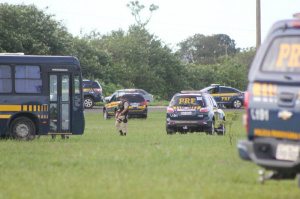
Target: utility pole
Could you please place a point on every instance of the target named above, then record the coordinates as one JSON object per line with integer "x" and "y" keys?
{"x": 258, "y": 31}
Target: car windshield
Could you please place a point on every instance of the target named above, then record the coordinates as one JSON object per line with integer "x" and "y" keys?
{"x": 283, "y": 55}
{"x": 134, "y": 98}
{"x": 187, "y": 100}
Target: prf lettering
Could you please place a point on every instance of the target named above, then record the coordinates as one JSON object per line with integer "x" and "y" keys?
{"x": 225, "y": 98}
{"x": 186, "y": 100}
{"x": 290, "y": 53}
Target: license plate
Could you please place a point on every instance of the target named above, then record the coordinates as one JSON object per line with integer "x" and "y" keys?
{"x": 186, "y": 113}
{"x": 287, "y": 152}
{"x": 134, "y": 105}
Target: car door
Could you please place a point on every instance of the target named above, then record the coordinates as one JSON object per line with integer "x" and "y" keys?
{"x": 217, "y": 112}
{"x": 215, "y": 93}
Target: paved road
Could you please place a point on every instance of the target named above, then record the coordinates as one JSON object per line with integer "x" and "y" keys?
{"x": 157, "y": 109}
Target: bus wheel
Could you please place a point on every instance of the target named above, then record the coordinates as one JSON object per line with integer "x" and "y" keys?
{"x": 23, "y": 128}
{"x": 88, "y": 102}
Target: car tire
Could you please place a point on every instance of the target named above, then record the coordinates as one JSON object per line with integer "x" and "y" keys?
{"x": 237, "y": 103}
{"x": 222, "y": 130}
{"x": 145, "y": 116}
{"x": 105, "y": 116}
{"x": 23, "y": 128}
{"x": 211, "y": 130}
{"x": 298, "y": 179}
{"x": 170, "y": 131}
{"x": 88, "y": 102}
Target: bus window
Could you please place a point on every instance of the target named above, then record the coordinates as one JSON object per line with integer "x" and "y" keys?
{"x": 65, "y": 116}
{"x": 65, "y": 88}
{"x": 77, "y": 85}
{"x": 28, "y": 79}
{"x": 53, "y": 87}
{"x": 5, "y": 79}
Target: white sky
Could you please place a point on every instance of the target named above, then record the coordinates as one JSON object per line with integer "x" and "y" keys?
{"x": 174, "y": 21}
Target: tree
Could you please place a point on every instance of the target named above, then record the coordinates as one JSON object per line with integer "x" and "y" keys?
{"x": 28, "y": 29}
{"x": 201, "y": 49}
{"x": 140, "y": 60}
{"x": 136, "y": 9}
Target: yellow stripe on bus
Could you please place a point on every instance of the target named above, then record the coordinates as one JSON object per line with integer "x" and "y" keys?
{"x": 5, "y": 116}
{"x": 24, "y": 107}
{"x": 10, "y": 108}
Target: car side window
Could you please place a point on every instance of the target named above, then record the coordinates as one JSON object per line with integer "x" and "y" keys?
{"x": 142, "y": 92}
{"x": 212, "y": 91}
{"x": 113, "y": 98}
{"x": 228, "y": 90}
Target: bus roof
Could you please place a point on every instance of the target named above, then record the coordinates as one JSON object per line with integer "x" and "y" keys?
{"x": 37, "y": 59}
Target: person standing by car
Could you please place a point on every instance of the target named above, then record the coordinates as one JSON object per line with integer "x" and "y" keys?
{"x": 122, "y": 116}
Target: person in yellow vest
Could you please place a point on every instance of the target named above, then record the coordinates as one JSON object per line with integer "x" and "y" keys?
{"x": 122, "y": 116}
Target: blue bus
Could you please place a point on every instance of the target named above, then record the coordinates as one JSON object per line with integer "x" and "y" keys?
{"x": 40, "y": 95}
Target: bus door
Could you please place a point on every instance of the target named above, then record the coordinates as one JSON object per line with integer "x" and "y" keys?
{"x": 59, "y": 103}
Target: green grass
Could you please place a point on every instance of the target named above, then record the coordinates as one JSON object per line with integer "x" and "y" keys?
{"x": 146, "y": 164}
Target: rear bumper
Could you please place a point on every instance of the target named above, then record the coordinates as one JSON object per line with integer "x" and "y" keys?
{"x": 194, "y": 125}
{"x": 137, "y": 112}
{"x": 263, "y": 153}
{"x": 98, "y": 98}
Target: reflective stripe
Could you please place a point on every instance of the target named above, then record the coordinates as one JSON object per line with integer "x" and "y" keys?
{"x": 10, "y": 108}
{"x": 5, "y": 116}
{"x": 225, "y": 94}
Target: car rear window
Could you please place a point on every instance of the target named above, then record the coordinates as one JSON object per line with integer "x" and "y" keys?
{"x": 134, "y": 98}
{"x": 283, "y": 55}
{"x": 187, "y": 101}
{"x": 96, "y": 85}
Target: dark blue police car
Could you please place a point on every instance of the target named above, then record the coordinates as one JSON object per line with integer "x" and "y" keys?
{"x": 273, "y": 103}
{"x": 226, "y": 96}
{"x": 194, "y": 111}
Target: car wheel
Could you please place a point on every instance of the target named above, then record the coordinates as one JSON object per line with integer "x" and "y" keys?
{"x": 105, "y": 116}
{"x": 211, "y": 130}
{"x": 298, "y": 179}
{"x": 170, "y": 131}
{"x": 88, "y": 102}
{"x": 23, "y": 129}
{"x": 222, "y": 130}
{"x": 237, "y": 103}
{"x": 145, "y": 116}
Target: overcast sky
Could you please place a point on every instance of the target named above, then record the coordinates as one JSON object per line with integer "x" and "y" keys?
{"x": 174, "y": 21}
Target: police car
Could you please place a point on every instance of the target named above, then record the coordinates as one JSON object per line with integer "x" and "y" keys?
{"x": 137, "y": 105}
{"x": 194, "y": 111}
{"x": 92, "y": 91}
{"x": 273, "y": 103}
{"x": 226, "y": 96}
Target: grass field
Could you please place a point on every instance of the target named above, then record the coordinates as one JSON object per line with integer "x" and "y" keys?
{"x": 147, "y": 163}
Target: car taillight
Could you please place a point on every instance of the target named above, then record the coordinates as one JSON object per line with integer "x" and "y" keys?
{"x": 246, "y": 121}
{"x": 246, "y": 99}
{"x": 295, "y": 24}
{"x": 144, "y": 103}
{"x": 246, "y": 116}
{"x": 170, "y": 110}
{"x": 97, "y": 90}
{"x": 204, "y": 110}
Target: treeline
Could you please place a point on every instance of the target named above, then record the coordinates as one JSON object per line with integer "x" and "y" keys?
{"x": 128, "y": 59}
